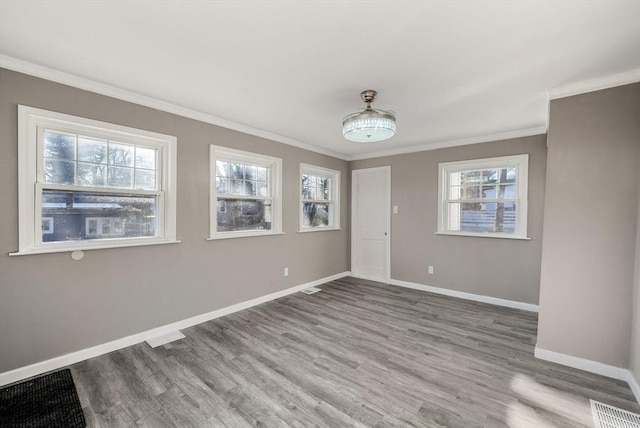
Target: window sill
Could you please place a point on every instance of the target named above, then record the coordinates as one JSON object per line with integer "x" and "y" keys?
{"x": 486, "y": 235}
{"x": 319, "y": 229}
{"x": 87, "y": 247}
{"x": 233, "y": 235}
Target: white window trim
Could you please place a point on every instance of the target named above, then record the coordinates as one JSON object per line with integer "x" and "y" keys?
{"x": 521, "y": 162}
{"x": 275, "y": 166}
{"x": 30, "y": 119}
{"x": 335, "y": 197}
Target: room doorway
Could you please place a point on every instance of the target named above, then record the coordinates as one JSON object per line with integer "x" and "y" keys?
{"x": 370, "y": 223}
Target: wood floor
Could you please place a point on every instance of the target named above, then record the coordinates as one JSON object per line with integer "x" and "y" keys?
{"x": 359, "y": 353}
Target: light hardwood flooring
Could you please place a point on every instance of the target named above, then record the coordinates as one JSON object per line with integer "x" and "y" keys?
{"x": 359, "y": 353}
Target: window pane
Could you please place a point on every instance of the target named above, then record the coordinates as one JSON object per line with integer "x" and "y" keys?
{"x": 120, "y": 154}
{"x": 507, "y": 191}
{"x": 84, "y": 215}
{"x": 237, "y": 187}
{"x": 91, "y": 174}
{"x": 59, "y": 172}
{"x": 236, "y": 170}
{"x": 489, "y": 175}
{"x": 470, "y": 192}
{"x": 59, "y": 146}
{"x": 470, "y": 177}
{"x": 234, "y": 215}
{"x": 146, "y": 158}
{"x": 263, "y": 174}
{"x": 455, "y": 192}
{"x": 145, "y": 180}
{"x": 507, "y": 175}
{"x": 222, "y": 169}
{"x": 94, "y": 151}
{"x": 324, "y": 186}
{"x": 250, "y": 172}
{"x": 222, "y": 185}
{"x": 482, "y": 218}
{"x": 315, "y": 215}
{"x": 263, "y": 189}
{"x": 489, "y": 192}
{"x": 120, "y": 177}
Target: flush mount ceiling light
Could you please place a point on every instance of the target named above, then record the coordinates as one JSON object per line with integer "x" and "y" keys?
{"x": 369, "y": 125}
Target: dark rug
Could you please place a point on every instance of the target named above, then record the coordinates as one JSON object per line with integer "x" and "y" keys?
{"x": 46, "y": 401}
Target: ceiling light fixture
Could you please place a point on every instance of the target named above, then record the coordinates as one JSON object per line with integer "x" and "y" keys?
{"x": 369, "y": 125}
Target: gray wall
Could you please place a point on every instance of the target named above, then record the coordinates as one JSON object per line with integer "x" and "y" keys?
{"x": 503, "y": 268}
{"x": 51, "y": 305}
{"x": 591, "y": 216}
{"x": 635, "y": 324}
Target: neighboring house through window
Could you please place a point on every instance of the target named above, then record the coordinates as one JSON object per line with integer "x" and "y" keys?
{"x": 103, "y": 185}
{"x": 484, "y": 197}
{"x": 245, "y": 194}
{"x": 319, "y": 198}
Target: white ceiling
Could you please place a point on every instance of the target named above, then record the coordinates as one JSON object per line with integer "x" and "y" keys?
{"x": 453, "y": 71}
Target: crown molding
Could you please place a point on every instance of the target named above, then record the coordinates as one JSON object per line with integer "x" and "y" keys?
{"x": 47, "y": 73}
{"x": 527, "y": 132}
{"x": 53, "y": 75}
{"x": 611, "y": 81}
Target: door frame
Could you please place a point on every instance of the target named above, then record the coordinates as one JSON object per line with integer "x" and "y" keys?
{"x": 355, "y": 175}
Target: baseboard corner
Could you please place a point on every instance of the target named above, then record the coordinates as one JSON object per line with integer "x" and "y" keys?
{"x": 580, "y": 363}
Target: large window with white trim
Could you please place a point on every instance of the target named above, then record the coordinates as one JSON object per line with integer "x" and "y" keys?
{"x": 319, "y": 198}
{"x": 245, "y": 194}
{"x": 484, "y": 197}
{"x": 101, "y": 185}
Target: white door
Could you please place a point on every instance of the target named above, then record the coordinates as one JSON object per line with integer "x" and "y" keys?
{"x": 370, "y": 223}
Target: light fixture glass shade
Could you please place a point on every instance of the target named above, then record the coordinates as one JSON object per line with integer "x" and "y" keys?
{"x": 369, "y": 125}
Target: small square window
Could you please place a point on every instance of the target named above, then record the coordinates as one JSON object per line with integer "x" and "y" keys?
{"x": 484, "y": 197}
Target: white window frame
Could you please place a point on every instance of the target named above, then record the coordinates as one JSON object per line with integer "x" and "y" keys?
{"x": 31, "y": 123}
{"x": 520, "y": 162}
{"x": 333, "y": 201}
{"x": 275, "y": 183}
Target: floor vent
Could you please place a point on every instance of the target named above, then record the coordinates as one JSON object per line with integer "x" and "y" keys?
{"x": 311, "y": 290}
{"x": 606, "y": 416}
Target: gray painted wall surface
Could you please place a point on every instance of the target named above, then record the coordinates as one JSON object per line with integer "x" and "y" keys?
{"x": 503, "y": 268}
{"x": 590, "y": 216}
{"x": 51, "y": 305}
{"x": 635, "y": 324}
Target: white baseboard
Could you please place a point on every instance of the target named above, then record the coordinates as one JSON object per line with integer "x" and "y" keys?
{"x": 633, "y": 384}
{"x": 591, "y": 366}
{"x": 75, "y": 357}
{"x": 467, "y": 296}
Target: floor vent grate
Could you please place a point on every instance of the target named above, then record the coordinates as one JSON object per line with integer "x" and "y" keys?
{"x": 311, "y": 290}
{"x": 606, "y": 416}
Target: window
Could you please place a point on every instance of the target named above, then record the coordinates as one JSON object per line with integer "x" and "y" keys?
{"x": 103, "y": 185}
{"x": 245, "y": 190}
{"x": 47, "y": 225}
{"x": 319, "y": 198}
{"x": 484, "y": 197}
{"x": 104, "y": 227}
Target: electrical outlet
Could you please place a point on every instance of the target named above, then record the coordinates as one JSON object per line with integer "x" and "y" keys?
{"x": 430, "y": 270}
{"x": 286, "y": 271}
